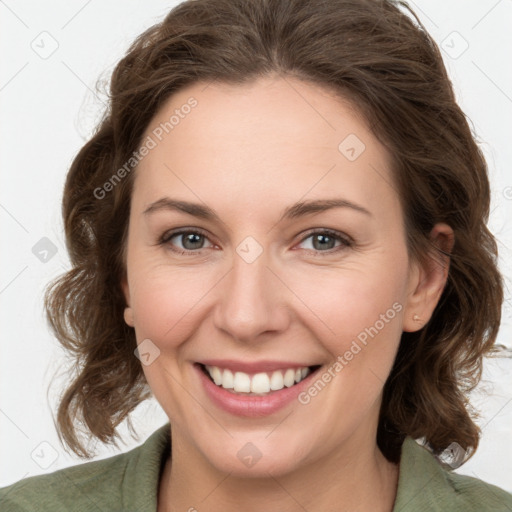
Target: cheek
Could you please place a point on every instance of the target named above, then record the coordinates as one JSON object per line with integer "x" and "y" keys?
{"x": 338, "y": 305}
{"x": 356, "y": 311}
{"x": 165, "y": 304}
{"x": 348, "y": 299}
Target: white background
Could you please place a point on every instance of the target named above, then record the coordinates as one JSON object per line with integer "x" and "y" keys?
{"x": 49, "y": 109}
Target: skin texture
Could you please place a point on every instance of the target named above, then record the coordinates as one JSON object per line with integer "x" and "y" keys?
{"x": 248, "y": 152}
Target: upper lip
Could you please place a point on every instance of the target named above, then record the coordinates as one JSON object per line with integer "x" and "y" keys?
{"x": 254, "y": 366}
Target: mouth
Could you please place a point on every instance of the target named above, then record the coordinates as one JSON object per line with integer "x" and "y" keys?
{"x": 256, "y": 384}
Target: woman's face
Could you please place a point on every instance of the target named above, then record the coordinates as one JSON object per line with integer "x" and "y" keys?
{"x": 251, "y": 280}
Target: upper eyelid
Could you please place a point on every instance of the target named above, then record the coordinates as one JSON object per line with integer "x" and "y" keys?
{"x": 167, "y": 235}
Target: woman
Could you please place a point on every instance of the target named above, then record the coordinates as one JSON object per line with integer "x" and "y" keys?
{"x": 279, "y": 231}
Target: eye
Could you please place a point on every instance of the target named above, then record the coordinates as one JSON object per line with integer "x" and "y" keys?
{"x": 324, "y": 240}
{"x": 191, "y": 241}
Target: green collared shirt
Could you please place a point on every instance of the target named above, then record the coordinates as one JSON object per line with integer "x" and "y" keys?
{"x": 128, "y": 482}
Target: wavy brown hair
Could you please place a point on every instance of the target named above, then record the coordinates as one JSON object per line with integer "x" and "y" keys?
{"x": 378, "y": 55}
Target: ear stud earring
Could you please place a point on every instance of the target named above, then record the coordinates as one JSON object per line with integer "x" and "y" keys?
{"x": 416, "y": 318}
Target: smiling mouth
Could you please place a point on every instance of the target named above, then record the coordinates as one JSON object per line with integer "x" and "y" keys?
{"x": 258, "y": 384}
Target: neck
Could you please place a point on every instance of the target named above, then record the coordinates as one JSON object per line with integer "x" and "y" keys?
{"x": 352, "y": 479}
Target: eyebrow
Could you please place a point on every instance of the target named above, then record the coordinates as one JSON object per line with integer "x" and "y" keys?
{"x": 294, "y": 211}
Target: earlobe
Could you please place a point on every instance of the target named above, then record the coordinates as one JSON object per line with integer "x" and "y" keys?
{"x": 128, "y": 316}
{"x": 429, "y": 280}
{"x": 128, "y": 312}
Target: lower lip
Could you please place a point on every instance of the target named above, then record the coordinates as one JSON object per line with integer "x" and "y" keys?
{"x": 251, "y": 405}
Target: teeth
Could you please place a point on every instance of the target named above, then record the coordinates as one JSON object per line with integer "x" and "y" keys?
{"x": 227, "y": 379}
{"x": 259, "y": 383}
{"x": 289, "y": 378}
{"x": 242, "y": 383}
{"x": 216, "y": 375}
{"x": 276, "y": 381}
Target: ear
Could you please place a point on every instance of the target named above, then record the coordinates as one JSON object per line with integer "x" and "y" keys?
{"x": 128, "y": 312}
{"x": 427, "y": 280}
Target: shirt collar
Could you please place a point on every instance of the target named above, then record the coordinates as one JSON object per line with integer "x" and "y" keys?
{"x": 143, "y": 472}
{"x": 422, "y": 483}
{"x": 418, "y": 471}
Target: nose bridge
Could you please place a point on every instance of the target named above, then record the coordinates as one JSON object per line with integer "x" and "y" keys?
{"x": 250, "y": 299}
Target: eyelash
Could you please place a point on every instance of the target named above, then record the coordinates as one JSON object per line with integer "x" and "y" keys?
{"x": 346, "y": 242}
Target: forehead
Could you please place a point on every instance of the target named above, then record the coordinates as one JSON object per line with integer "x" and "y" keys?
{"x": 272, "y": 139}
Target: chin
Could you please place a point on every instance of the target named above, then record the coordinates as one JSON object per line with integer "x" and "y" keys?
{"x": 246, "y": 459}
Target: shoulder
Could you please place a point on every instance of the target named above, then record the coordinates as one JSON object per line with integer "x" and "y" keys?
{"x": 424, "y": 484}
{"x": 67, "y": 487}
{"x": 480, "y": 495}
{"x": 127, "y": 481}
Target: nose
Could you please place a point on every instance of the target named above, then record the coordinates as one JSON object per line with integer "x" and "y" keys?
{"x": 252, "y": 301}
